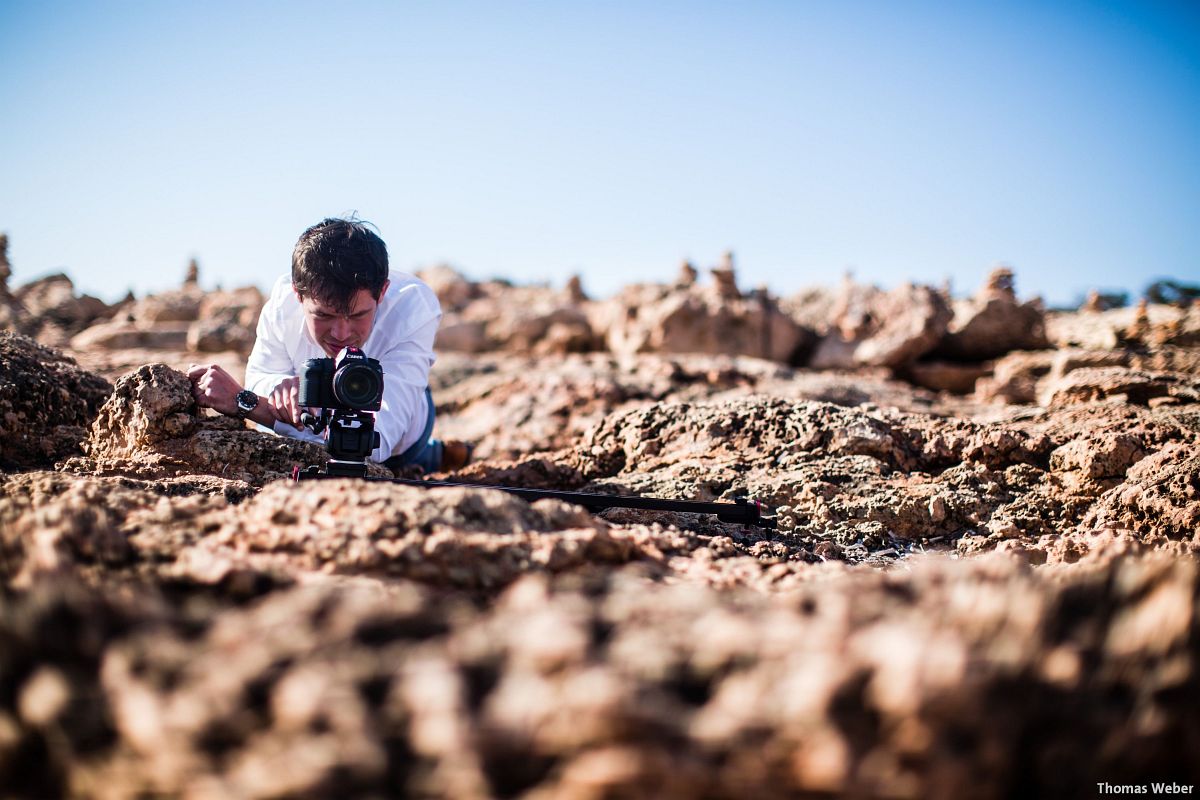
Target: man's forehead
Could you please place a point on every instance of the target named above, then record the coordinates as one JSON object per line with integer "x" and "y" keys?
{"x": 361, "y": 301}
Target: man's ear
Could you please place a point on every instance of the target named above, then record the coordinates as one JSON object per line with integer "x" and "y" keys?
{"x": 383, "y": 291}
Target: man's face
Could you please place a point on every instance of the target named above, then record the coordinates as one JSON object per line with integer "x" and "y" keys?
{"x": 334, "y": 329}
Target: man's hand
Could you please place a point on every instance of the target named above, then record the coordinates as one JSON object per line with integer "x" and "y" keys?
{"x": 285, "y": 400}
{"x": 214, "y": 388}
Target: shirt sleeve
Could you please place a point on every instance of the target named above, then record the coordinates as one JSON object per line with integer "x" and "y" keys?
{"x": 405, "y": 376}
{"x": 269, "y": 362}
{"x": 305, "y": 435}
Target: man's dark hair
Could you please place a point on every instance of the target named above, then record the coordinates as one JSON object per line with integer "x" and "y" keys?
{"x": 335, "y": 258}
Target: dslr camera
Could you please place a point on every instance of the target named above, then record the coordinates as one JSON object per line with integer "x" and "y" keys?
{"x": 346, "y": 390}
{"x": 351, "y": 382}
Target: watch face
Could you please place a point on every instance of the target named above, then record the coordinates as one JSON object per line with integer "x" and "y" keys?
{"x": 247, "y": 400}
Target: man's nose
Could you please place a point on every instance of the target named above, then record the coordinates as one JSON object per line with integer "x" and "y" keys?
{"x": 340, "y": 329}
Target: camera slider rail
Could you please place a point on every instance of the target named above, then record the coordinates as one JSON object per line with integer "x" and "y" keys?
{"x": 742, "y": 511}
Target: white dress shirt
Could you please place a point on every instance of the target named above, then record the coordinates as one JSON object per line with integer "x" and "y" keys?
{"x": 401, "y": 339}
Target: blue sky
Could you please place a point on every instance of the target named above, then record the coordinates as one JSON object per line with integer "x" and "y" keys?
{"x": 902, "y": 140}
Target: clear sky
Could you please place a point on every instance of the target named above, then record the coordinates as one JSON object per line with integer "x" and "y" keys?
{"x": 902, "y": 140}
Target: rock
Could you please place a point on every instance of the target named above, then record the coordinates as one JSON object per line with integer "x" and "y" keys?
{"x": 192, "y": 276}
{"x": 62, "y": 525}
{"x": 1024, "y": 377}
{"x": 465, "y": 538}
{"x": 1183, "y": 331}
{"x": 946, "y": 376}
{"x": 46, "y": 403}
{"x": 13, "y": 316}
{"x": 993, "y": 323}
{"x": 511, "y": 406}
{"x": 52, "y": 301}
{"x": 725, "y": 279}
{"x": 959, "y": 597}
{"x": 1159, "y": 496}
{"x": 188, "y": 319}
{"x": 698, "y": 319}
{"x": 1015, "y": 377}
{"x": 242, "y": 305}
{"x": 462, "y": 337}
{"x": 151, "y": 428}
{"x": 179, "y": 305}
{"x": 623, "y": 687}
{"x": 687, "y": 275}
{"x": 869, "y": 327}
{"x": 575, "y": 291}
{"x": 121, "y": 334}
{"x": 497, "y": 316}
{"x": 1105, "y": 330}
{"x": 221, "y": 331}
{"x": 1090, "y": 384}
{"x": 5, "y": 267}
{"x": 1098, "y": 462}
{"x": 454, "y": 291}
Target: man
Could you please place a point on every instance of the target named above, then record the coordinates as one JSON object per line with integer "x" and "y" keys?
{"x": 340, "y": 294}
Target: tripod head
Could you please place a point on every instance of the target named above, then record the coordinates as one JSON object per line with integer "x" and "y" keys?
{"x": 350, "y": 440}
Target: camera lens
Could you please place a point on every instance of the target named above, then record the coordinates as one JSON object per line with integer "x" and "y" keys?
{"x": 358, "y": 386}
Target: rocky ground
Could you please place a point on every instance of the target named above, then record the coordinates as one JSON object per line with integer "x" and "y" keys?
{"x": 981, "y": 581}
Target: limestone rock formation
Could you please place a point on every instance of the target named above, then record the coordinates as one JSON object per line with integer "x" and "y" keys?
{"x": 151, "y": 428}
{"x": 1133, "y": 386}
{"x": 5, "y": 266}
{"x": 47, "y": 308}
{"x": 868, "y": 327}
{"x": 227, "y": 321}
{"x": 714, "y": 319}
{"x": 993, "y": 323}
{"x": 987, "y": 595}
{"x": 453, "y": 289}
{"x": 13, "y": 316}
{"x": 46, "y": 403}
{"x": 123, "y": 333}
{"x": 1105, "y": 330}
{"x": 494, "y": 315}
{"x": 511, "y": 405}
{"x": 53, "y": 299}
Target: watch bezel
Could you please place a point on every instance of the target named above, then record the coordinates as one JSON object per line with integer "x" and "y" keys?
{"x": 246, "y": 405}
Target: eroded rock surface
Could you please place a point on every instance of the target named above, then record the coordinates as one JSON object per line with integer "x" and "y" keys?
{"x": 151, "y": 427}
{"x": 948, "y": 680}
{"x": 994, "y": 323}
{"x": 714, "y": 318}
{"x": 987, "y": 594}
{"x": 869, "y": 327}
{"x": 46, "y": 403}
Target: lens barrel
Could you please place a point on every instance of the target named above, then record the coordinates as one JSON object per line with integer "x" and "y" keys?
{"x": 358, "y": 385}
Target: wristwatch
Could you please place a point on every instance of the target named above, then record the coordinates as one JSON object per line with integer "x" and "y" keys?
{"x": 247, "y": 401}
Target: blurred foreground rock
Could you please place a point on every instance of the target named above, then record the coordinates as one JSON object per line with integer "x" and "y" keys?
{"x": 949, "y": 680}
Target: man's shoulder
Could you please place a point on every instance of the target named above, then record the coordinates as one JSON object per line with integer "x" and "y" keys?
{"x": 281, "y": 288}
{"x": 410, "y": 294}
{"x": 282, "y": 300}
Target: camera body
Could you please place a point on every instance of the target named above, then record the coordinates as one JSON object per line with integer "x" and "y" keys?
{"x": 347, "y": 390}
{"x": 350, "y": 382}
